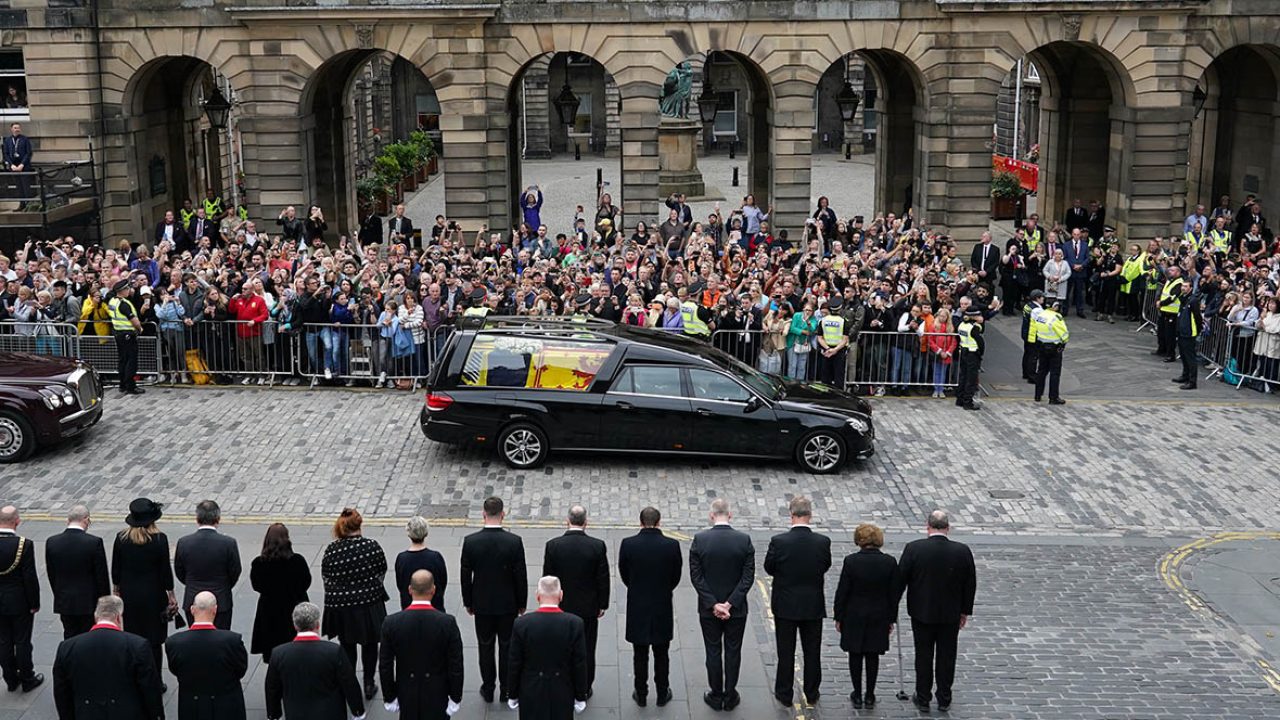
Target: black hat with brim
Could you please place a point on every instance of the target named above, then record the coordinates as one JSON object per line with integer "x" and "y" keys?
{"x": 143, "y": 512}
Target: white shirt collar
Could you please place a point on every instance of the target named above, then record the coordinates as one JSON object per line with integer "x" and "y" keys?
{"x": 576, "y": 529}
{"x": 8, "y": 531}
{"x": 106, "y": 622}
{"x": 718, "y": 523}
{"x": 932, "y": 533}
{"x": 420, "y": 603}
{"x": 76, "y": 526}
{"x": 309, "y": 634}
{"x": 548, "y": 605}
{"x": 801, "y": 525}
{"x": 207, "y": 527}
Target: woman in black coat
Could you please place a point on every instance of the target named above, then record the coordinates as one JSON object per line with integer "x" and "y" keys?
{"x": 281, "y": 578}
{"x": 355, "y": 598}
{"x": 865, "y": 609}
{"x": 142, "y": 577}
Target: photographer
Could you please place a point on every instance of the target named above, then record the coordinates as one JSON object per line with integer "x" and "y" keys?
{"x": 315, "y": 226}
{"x": 291, "y": 226}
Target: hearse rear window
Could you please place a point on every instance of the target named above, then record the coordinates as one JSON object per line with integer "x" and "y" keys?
{"x": 525, "y": 362}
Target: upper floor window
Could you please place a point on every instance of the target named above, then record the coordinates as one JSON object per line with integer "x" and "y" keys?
{"x": 13, "y": 87}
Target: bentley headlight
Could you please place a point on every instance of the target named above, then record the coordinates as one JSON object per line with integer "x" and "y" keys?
{"x": 859, "y": 425}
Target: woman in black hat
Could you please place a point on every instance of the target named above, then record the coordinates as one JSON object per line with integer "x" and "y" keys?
{"x": 142, "y": 576}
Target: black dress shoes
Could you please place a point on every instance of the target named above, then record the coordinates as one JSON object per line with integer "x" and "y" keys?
{"x": 869, "y": 700}
{"x": 732, "y": 700}
{"x": 33, "y": 682}
{"x": 1188, "y": 386}
{"x": 783, "y": 699}
{"x": 944, "y": 706}
{"x": 920, "y": 703}
{"x": 712, "y": 700}
{"x": 370, "y": 689}
{"x": 486, "y": 694}
{"x": 1057, "y": 401}
{"x": 641, "y": 700}
{"x": 856, "y": 697}
{"x": 664, "y": 697}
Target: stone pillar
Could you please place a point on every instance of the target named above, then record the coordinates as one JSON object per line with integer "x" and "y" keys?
{"x": 792, "y": 155}
{"x": 952, "y": 185}
{"x": 1149, "y": 168}
{"x": 639, "y": 121}
{"x": 613, "y": 128}
{"x": 536, "y": 97}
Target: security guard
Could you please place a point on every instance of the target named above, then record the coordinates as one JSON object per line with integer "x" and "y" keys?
{"x": 972, "y": 346}
{"x": 1190, "y": 325}
{"x": 1195, "y": 238}
{"x": 1029, "y": 353}
{"x": 477, "y": 310}
{"x": 1169, "y": 304}
{"x": 1049, "y": 334}
{"x": 1133, "y": 281}
{"x": 125, "y": 327}
{"x": 833, "y": 343}
{"x": 1221, "y": 238}
{"x": 695, "y": 319}
{"x": 581, "y": 307}
{"x": 212, "y": 205}
{"x": 186, "y": 212}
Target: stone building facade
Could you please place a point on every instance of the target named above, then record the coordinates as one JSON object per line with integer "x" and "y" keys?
{"x": 1120, "y": 117}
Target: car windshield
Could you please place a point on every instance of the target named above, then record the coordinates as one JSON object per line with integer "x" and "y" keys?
{"x": 764, "y": 385}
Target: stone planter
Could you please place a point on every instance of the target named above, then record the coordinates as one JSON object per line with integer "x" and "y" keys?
{"x": 1004, "y": 208}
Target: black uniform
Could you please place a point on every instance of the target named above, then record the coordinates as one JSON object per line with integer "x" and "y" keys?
{"x": 1029, "y": 351}
{"x": 493, "y": 589}
{"x": 798, "y": 560}
{"x": 106, "y": 674}
{"x": 420, "y": 660}
{"x": 19, "y": 601}
{"x": 77, "y": 565}
{"x": 1190, "y": 325}
{"x": 649, "y": 564}
{"x": 209, "y": 664}
{"x": 126, "y": 349}
{"x": 313, "y": 679}
{"x": 970, "y": 365}
{"x": 548, "y": 664}
{"x": 722, "y": 568}
{"x": 940, "y": 580}
{"x": 582, "y": 564}
{"x": 208, "y": 560}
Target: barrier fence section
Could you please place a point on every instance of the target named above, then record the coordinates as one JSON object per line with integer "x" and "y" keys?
{"x": 904, "y": 360}
{"x": 1150, "y": 308}
{"x": 63, "y": 340}
{"x": 209, "y": 351}
{"x": 368, "y": 353}
{"x": 39, "y": 338}
{"x": 1230, "y": 353}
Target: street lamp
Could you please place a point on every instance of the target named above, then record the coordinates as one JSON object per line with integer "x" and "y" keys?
{"x": 708, "y": 103}
{"x": 217, "y": 108}
{"x": 567, "y": 109}
{"x": 847, "y": 99}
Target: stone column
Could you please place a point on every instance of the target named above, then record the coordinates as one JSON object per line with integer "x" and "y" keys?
{"x": 537, "y": 106}
{"x": 639, "y": 125}
{"x": 952, "y": 185}
{"x": 1149, "y": 168}
{"x": 792, "y": 155}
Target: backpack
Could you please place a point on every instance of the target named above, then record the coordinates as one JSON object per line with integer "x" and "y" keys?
{"x": 1230, "y": 373}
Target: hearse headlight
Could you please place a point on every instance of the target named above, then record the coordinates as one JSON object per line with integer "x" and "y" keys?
{"x": 858, "y": 424}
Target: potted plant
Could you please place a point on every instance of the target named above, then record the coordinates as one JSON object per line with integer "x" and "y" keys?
{"x": 387, "y": 172}
{"x": 406, "y": 156}
{"x": 368, "y": 192}
{"x": 1006, "y": 193}
{"x": 426, "y": 153}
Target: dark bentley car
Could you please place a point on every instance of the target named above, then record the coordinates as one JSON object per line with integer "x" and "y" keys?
{"x": 44, "y": 400}
{"x": 532, "y": 385}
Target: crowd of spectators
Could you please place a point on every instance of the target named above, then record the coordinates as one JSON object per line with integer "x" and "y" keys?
{"x": 375, "y": 306}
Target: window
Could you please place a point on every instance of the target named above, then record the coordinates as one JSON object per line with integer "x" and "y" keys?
{"x": 582, "y": 121}
{"x": 726, "y": 122}
{"x": 709, "y": 385}
{"x": 547, "y": 363}
{"x": 648, "y": 380}
{"x": 13, "y": 86}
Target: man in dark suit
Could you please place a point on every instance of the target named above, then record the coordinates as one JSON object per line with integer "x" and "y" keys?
{"x": 400, "y": 228}
{"x": 77, "y": 566}
{"x": 940, "y": 580}
{"x": 421, "y": 657}
{"x": 1097, "y": 220}
{"x": 370, "y": 228}
{"x": 1076, "y": 252}
{"x": 1076, "y": 216}
{"x": 650, "y": 564}
{"x": 722, "y": 568}
{"x": 310, "y": 678}
{"x": 493, "y": 590}
{"x": 17, "y": 158}
{"x": 798, "y": 560}
{"x": 548, "y": 659}
{"x": 19, "y": 602}
{"x": 171, "y": 230}
{"x": 985, "y": 260}
{"x": 209, "y": 664}
{"x": 582, "y": 564}
{"x": 199, "y": 227}
{"x": 208, "y": 560}
{"x": 107, "y": 672}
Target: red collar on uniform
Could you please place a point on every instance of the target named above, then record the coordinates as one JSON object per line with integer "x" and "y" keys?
{"x": 307, "y": 637}
{"x": 549, "y": 610}
{"x": 421, "y": 605}
{"x": 203, "y": 626}
{"x": 105, "y": 626}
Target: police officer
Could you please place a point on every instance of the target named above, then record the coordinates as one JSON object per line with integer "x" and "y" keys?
{"x": 1049, "y": 335}
{"x": 696, "y": 319}
{"x": 971, "y": 348}
{"x": 125, "y": 327}
{"x": 477, "y": 310}
{"x": 1030, "y": 355}
{"x": 213, "y": 207}
{"x": 1169, "y": 304}
{"x": 1190, "y": 325}
{"x": 833, "y": 343}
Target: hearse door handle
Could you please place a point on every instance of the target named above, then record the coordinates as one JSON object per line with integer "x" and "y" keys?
{"x": 704, "y": 412}
{"x": 625, "y": 406}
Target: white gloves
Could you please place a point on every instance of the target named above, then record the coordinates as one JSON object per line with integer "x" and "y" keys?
{"x": 452, "y": 709}
{"x": 513, "y": 703}
{"x": 358, "y": 717}
{"x": 579, "y": 705}
{"x": 393, "y": 706}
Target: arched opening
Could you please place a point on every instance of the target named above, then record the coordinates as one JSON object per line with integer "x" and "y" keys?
{"x": 564, "y": 109}
{"x": 1233, "y": 132}
{"x": 866, "y": 134}
{"x": 175, "y": 153}
{"x": 356, "y": 104}
{"x": 1081, "y": 130}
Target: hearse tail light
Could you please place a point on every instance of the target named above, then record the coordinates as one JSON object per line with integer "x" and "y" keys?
{"x": 438, "y": 401}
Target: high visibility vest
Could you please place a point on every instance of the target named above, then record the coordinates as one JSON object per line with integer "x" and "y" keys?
{"x": 212, "y": 207}
{"x": 967, "y": 343}
{"x": 1195, "y": 240}
{"x": 832, "y": 330}
{"x": 1171, "y": 289}
{"x": 1130, "y": 272}
{"x": 1033, "y": 238}
{"x": 1049, "y": 328}
{"x": 186, "y": 216}
{"x": 476, "y": 312}
{"x": 1221, "y": 239}
{"x": 119, "y": 321}
{"x": 693, "y": 325}
{"x": 243, "y": 213}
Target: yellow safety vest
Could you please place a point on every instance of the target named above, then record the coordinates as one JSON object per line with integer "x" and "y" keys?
{"x": 1048, "y": 327}
{"x": 1171, "y": 288}
{"x": 476, "y": 312}
{"x": 1221, "y": 239}
{"x": 1196, "y": 242}
{"x": 186, "y": 216}
{"x": 1130, "y": 272}
{"x": 1033, "y": 238}
{"x": 832, "y": 330}
{"x": 212, "y": 208}
{"x": 693, "y": 325}
{"x": 967, "y": 343}
{"x": 119, "y": 321}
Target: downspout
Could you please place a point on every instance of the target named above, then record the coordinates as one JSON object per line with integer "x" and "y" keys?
{"x": 102, "y": 121}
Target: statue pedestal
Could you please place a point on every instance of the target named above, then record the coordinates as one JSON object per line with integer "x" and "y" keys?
{"x": 678, "y": 158}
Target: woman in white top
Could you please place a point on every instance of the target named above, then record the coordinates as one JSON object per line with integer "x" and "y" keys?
{"x": 1056, "y": 272}
{"x": 411, "y": 318}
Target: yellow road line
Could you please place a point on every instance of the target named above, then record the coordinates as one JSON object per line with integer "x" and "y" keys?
{"x": 1169, "y": 569}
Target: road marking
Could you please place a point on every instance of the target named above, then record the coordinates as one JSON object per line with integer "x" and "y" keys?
{"x": 801, "y": 706}
{"x": 1169, "y": 569}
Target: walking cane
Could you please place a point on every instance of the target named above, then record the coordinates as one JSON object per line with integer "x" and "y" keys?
{"x": 902, "y": 693}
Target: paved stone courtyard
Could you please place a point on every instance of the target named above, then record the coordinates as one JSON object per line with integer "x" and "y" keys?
{"x": 1090, "y": 605}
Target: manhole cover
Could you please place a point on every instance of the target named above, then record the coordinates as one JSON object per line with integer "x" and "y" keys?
{"x": 1005, "y": 494}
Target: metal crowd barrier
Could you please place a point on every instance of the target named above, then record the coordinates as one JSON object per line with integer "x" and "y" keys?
{"x": 97, "y": 350}
{"x": 359, "y": 353}
{"x": 1214, "y": 345}
{"x": 897, "y": 360}
{"x": 1220, "y": 343}
{"x": 215, "y": 351}
{"x": 40, "y": 338}
{"x": 1150, "y": 308}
